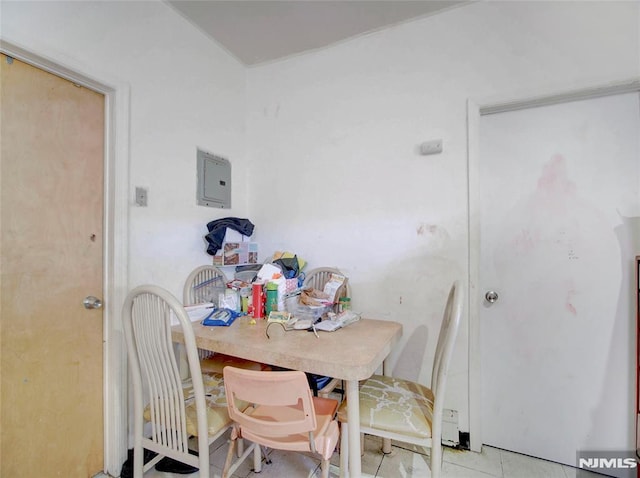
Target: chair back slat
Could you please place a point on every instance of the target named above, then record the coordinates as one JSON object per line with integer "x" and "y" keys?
{"x": 446, "y": 341}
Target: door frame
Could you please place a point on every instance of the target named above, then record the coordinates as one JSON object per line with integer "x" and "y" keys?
{"x": 115, "y": 260}
{"x": 476, "y": 109}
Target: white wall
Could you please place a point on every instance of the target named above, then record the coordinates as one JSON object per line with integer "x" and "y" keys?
{"x": 332, "y": 167}
{"x": 332, "y": 142}
{"x": 186, "y": 92}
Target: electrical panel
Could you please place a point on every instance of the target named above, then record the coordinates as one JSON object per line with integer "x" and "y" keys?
{"x": 214, "y": 181}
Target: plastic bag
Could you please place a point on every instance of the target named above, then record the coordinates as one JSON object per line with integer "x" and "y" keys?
{"x": 221, "y": 317}
{"x": 289, "y": 265}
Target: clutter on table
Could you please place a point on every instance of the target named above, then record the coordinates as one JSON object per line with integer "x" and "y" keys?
{"x": 273, "y": 290}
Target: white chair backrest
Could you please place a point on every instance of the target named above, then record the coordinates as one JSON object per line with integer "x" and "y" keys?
{"x": 285, "y": 389}
{"x": 203, "y": 285}
{"x": 146, "y": 320}
{"x": 317, "y": 278}
{"x": 446, "y": 341}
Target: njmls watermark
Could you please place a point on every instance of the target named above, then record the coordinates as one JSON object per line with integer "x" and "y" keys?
{"x": 620, "y": 464}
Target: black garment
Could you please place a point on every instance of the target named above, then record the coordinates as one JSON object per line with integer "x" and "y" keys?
{"x": 218, "y": 228}
{"x": 166, "y": 465}
{"x": 127, "y": 466}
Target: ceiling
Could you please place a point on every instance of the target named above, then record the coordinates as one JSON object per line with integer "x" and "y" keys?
{"x": 259, "y": 31}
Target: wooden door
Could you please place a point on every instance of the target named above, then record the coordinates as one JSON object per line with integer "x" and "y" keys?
{"x": 51, "y": 217}
{"x": 557, "y": 184}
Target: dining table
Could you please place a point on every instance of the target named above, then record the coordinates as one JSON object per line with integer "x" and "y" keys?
{"x": 351, "y": 353}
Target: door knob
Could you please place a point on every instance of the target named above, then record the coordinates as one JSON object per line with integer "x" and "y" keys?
{"x": 491, "y": 296}
{"x": 91, "y": 302}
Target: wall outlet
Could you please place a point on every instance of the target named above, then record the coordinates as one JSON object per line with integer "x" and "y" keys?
{"x": 431, "y": 147}
{"x": 450, "y": 431}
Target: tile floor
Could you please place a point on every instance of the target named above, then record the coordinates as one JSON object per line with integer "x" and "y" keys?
{"x": 403, "y": 462}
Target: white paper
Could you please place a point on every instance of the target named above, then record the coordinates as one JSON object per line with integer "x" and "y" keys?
{"x": 196, "y": 313}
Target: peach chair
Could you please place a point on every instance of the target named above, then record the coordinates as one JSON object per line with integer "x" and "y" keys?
{"x": 282, "y": 414}
{"x": 176, "y": 410}
{"x": 203, "y": 285}
{"x": 401, "y": 410}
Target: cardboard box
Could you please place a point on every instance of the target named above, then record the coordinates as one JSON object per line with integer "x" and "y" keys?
{"x": 236, "y": 254}
{"x": 231, "y": 235}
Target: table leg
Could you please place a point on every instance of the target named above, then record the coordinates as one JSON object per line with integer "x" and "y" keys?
{"x": 183, "y": 364}
{"x": 353, "y": 422}
{"x": 386, "y": 442}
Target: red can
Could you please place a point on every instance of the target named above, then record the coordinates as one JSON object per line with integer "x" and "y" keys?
{"x": 257, "y": 300}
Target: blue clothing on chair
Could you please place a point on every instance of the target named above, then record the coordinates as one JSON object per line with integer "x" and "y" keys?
{"x": 218, "y": 229}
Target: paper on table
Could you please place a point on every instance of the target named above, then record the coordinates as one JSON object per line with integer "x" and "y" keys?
{"x": 328, "y": 325}
{"x": 337, "y": 321}
{"x": 196, "y": 313}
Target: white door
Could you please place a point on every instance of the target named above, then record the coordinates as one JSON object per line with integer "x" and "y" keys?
{"x": 558, "y": 186}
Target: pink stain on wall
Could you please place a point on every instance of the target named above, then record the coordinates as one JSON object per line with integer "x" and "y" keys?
{"x": 569, "y": 306}
{"x": 524, "y": 241}
{"x": 553, "y": 194}
{"x": 553, "y": 179}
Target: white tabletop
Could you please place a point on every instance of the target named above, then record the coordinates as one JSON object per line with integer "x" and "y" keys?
{"x": 351, "y": 353}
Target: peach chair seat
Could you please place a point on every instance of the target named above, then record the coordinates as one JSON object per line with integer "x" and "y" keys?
{"x": 325, "y": 443}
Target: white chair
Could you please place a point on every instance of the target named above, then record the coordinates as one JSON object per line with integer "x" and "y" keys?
{"x": 282, "y": 414}
{"x": 176, "y": 410}
{"x": 406, "y": 411}
{"x": 316, "y": 279}
{"x": 203, "y": 285}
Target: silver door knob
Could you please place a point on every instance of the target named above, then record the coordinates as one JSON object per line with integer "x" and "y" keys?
{"x": 491, "y": 296}
{"x": 91, "y": 302}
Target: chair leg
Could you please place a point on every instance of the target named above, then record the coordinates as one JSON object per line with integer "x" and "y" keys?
{"x": 240, "y": 447}
{"x": 386, "y": 446}
{"x": 257, "y": 459}
{"x": 324, "y": 466}
{"x": 344, "y": 451}
{"x": 227, "y": 463}
{"x": 436, "y": 459}
{"x": 265, "y": 453}
{"x": 138, "y": 461}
